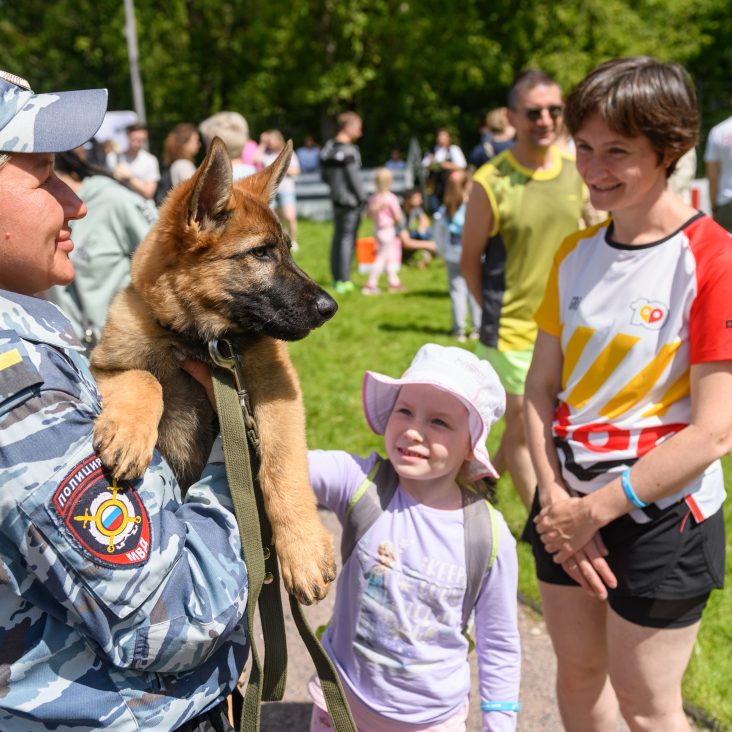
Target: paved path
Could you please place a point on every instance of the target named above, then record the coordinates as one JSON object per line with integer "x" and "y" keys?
{"x": 539, "y": 711}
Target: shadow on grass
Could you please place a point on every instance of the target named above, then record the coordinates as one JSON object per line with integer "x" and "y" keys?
{"x": 441, "y": 294}
{"x": 412, "y": 328}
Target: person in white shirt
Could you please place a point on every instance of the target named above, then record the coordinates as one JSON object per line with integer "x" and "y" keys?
{"x": 444, "y": 158}
{"x": 136, "y": 166}
{"x": 718, "y": 159}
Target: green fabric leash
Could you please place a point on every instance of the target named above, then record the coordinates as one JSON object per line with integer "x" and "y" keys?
{"x": 270, "y": 685}
{"x": 240, "y": 440}
{"x": 335, "y": 699}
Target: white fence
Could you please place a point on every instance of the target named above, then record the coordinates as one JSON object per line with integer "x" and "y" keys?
{"x": 313, "y": 195}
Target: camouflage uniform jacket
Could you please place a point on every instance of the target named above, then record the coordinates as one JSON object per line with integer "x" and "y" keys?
{"x": 120, "y": 604}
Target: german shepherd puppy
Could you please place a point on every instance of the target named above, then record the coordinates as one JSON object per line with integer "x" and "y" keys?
{"x": 217, "y": 265}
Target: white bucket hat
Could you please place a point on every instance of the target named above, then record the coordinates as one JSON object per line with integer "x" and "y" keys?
{"x": 456, "y": 371}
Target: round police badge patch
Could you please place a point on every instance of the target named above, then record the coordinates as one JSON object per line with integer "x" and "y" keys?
{"x": 104, "y": 515}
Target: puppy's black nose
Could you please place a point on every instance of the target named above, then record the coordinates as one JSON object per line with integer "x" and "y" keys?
{"x": 326, "y": 306}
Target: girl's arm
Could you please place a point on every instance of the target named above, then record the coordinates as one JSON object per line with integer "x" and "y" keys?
{"x": 497, "y": 638}
{"x": 663, "y": 471}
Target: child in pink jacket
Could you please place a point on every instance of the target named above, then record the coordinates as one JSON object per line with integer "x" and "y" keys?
{"x": 384, "y": 208}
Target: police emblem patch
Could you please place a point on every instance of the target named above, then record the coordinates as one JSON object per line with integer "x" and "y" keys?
{"x": 104, "y": 515}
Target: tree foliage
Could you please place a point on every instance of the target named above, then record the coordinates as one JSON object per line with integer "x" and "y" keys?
{"x": 407, "y": 66}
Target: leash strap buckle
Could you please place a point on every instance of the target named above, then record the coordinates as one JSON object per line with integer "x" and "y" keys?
{"x": 225, "y": 356}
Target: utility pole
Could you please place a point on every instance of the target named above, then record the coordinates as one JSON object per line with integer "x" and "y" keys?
{"x": 138, "y": 98}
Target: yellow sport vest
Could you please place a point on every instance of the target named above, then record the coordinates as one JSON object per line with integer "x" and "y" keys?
{"x": 533, "y": 212}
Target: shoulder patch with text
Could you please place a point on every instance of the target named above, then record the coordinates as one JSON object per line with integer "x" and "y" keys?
{"x": 104, "y": 515}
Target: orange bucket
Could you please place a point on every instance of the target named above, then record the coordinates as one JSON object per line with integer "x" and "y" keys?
{"x": 365, "y": 249}
{"x": 365, "y": 253}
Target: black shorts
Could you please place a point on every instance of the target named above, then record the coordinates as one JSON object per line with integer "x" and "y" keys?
{"x": 665, "y": 569}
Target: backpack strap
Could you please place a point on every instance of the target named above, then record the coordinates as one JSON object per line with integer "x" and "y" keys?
{"x": 481, "y": 546}
{"x": 367, "y": 504}
{"x": 481, "y": 526}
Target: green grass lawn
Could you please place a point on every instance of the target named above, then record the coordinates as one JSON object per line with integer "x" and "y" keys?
{"x": 383, "y": 333}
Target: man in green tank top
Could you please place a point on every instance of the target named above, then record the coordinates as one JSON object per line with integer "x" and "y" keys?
{"x": 525, "y": 201}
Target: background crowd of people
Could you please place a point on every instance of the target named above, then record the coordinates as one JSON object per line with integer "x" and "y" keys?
{"x": 595, "y": 295}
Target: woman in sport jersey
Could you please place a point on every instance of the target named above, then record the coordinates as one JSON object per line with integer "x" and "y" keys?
{"x": 632, "y": 362}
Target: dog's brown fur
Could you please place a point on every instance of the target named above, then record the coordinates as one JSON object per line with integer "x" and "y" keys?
{"x": 217, "y": 264}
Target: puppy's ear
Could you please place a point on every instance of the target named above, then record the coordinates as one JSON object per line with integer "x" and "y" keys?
{"x": 264, "y": 184}
{"x": 212, "y": 186}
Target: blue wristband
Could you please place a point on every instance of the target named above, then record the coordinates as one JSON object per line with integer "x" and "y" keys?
{"x": 628, "y": 490}
{"x": 488, "y": 706}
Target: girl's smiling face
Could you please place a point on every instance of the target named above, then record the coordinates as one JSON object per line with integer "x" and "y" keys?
{"x": 427, "y": 436}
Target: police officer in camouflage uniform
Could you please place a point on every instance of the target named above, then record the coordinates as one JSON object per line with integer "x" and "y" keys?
{"x": 120, "y": 603}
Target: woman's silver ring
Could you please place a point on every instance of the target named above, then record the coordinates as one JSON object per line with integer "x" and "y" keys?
{"x": 573, "y": 566}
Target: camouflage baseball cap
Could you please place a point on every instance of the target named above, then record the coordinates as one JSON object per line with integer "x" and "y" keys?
{"x": 44, "y": 123}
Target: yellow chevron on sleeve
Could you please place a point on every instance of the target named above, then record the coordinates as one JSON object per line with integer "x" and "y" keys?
{"x": 547, "y": 315}
{"x": 605, "y": 363}
{"x": 576, "y": 344}
{"x": 641, "y": 383}
{"x": 10, "y": 358}
{"x": 677, "y": 391}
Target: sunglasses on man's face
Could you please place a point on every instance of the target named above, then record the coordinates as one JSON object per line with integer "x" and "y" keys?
{"x": 533, "y": 114}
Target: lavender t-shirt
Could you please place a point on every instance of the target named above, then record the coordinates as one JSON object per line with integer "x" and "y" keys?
{"x": 396, "y": 636}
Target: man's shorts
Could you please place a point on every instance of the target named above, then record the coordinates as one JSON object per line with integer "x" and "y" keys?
{"x": 511, "y": 366}
{"x": 665, "y": 569}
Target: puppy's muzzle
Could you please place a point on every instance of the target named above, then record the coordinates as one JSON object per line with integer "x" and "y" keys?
{"x": 325, "y": 306}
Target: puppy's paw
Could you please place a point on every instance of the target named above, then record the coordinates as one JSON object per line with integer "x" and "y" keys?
{"x": 126, "y": 431}
{"x": 124, "y": 445}
{"x": 307, "y": 562}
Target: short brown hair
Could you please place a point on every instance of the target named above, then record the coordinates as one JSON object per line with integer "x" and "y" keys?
{"x": 640, "y": 95}
{"x": 345, "y": 118}
{"x": 526, "y": 81}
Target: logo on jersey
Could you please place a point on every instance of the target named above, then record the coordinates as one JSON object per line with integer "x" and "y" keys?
{"x": 105, "y": 516}
{"x": 650, "y": 314}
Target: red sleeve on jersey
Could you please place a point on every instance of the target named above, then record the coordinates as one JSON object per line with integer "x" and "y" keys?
{"x": 710, "y": 326}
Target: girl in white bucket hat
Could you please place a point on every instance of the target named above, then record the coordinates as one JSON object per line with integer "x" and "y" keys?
{"x": 422, "y": 552}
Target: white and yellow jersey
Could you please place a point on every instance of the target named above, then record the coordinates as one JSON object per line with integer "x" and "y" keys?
{"x": 631, "y": 321}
